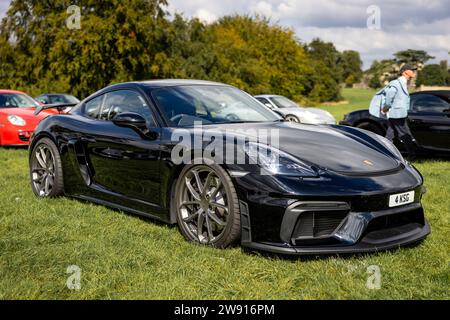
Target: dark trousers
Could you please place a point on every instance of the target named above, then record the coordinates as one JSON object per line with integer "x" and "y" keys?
{"x": 399, "y": 128}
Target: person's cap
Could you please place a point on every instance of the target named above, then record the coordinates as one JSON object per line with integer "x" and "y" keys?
{"x": 407, "y": 67}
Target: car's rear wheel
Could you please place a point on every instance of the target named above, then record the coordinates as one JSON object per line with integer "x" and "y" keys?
{"x": 207, "y": 206}
{"x": 291, "y": 118}
{"x": 370, "y": 127}
{"x": 46, "y": 169}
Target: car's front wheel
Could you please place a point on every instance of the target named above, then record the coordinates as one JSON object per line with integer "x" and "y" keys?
{"x": 46, "y": 169}
{"x": 292, "y": 118}
{"x": 207, "y": 206}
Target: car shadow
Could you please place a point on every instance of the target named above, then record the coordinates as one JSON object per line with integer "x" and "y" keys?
{"x": 321, "y": 257}
{"x": 25, "y": 147}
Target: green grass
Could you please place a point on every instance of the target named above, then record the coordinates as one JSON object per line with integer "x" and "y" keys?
{"x": 126, "y": 257}
{"x": 354, "y": 99}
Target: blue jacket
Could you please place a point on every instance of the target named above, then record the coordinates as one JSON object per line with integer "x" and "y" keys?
{"x": 397, "y": 100}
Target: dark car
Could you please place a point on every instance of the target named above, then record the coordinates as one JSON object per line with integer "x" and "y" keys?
{"x": 320, "y": 189}
{"x": 428, "y": 119}
{"x": 56, "y": 98}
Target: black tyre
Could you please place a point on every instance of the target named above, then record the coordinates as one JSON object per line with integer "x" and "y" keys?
{"x": 46, "y": 170}
{"x": 371, "y": 127}
{"x": 207, "y": 206}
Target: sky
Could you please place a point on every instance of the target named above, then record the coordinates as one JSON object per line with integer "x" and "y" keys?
{"x": 376, "y": 29}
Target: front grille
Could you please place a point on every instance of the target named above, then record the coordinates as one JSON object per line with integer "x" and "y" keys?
{"x": 313, "y": 225}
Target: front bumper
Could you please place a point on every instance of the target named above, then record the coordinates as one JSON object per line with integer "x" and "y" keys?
{"x": 15, "y": 137}
{"x": 352, "y": 237}
{"x": 336, "y": 214}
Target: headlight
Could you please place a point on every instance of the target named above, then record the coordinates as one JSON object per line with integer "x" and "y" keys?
{"x": 274, "y": 161}
{"x": 16, "y": 120}
{"x": 391, "y": 147}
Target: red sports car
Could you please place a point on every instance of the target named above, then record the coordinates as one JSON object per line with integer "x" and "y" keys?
{"x": 17, "y": 118}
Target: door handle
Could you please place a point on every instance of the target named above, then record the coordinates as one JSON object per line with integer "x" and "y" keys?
{"x": 88, "y": 139}
{"x": 416, "y": 121}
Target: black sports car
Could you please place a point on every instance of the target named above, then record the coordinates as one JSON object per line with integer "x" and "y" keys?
{"x": 428, "y": 119}
{"x": 312, "y": 190}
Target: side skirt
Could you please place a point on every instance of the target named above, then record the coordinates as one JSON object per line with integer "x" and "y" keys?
{"x": 120, "y": 207}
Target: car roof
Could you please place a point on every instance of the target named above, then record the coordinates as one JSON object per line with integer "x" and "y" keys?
{"x": 439, "y": 93}
{"x": 267, "y": 95}
{"x": 55, "y": 94}
{"x": 154, "y": 84}
{"x": 11, "y": 91}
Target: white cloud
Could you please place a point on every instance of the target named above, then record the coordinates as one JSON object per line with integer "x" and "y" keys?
{"x": 263, "y": 8}
{"x": 379, "y": 44}
{"x": 3, "y": 7}
{"x": 405, "y": 24}
{"x": 205, "y": 16}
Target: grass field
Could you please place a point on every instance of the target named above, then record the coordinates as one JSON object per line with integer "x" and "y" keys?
{"x": 125, "y": 257}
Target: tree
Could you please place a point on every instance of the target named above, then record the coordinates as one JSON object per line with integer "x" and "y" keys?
{"x": 351, "y": 66}
{"x": 415, "y": 57}
{"x": 329, "y": 55}
{"x": 123, "y": 40}
{"x": 381, "y": 72}
{"x": 118, "y": 41}
{"x": 434, "y": 75}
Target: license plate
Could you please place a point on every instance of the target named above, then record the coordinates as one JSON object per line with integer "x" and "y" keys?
{"x": 400, "y": 199}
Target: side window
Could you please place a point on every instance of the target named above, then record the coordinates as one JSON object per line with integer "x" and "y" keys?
{"x": 122, "y": 101}
{"x": 43, "y": 99}
{"x": 265, "y": 102}
{"x": 262, "y": 100}
{"x": 92, "y": 107}
{"x": 429, "y": 103}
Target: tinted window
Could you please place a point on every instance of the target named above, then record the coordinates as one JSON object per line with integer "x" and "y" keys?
{"x": 42, "y": 99}
{"x": 263, "y": 101}
{"x": 63, "y": 98}
{"x": 186, "y": 105}
{"x": 429, "y": 103}
{"x": 92, "y": 107}
{"x": 122, "y": 101}
{"x": 283, "y": 102}
{"x": 16, "y": 100}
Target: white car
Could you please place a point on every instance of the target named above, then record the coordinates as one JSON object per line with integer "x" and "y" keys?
{"x": 291, "y": 111}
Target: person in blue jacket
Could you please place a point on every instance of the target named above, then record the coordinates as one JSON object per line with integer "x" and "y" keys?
{"x": 396, "y": 108}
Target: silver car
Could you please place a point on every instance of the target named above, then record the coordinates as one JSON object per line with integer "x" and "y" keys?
{"x": 291, "y": 111}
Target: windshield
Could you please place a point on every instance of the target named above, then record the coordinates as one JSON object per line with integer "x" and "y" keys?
{"x": 283, "y": 102}
{"x": 63, "y": 98}
{"x": 16, "y": 100}
{"x": 185, "y": 105}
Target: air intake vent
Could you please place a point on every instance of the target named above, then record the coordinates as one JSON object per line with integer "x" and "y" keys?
{"x": 317, "y": 225}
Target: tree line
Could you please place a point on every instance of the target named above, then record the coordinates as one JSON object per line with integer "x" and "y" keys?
{"x": 385, "y": 70}
{"x": 127, "y": 40}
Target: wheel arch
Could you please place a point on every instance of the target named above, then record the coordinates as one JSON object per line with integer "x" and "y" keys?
{"x": 170, "y": 192}
{"x": 40, "y": 136}
{"x": 372, "y": 122}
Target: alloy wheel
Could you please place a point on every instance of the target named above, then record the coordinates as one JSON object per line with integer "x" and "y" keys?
{"x": 43, "y": 170}
{"x": 203, "y": 205}
{"x": 292, "y": 119}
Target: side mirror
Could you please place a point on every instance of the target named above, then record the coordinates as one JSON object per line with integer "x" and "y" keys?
{"x": 269, "y": 105}
{"x": 129, "y": 119}
{"x": 134, "y": 121}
